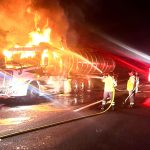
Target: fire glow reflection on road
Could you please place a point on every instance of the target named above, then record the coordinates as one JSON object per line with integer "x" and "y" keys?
{"x": 13, "y": 121}
{"x": 39, "y": 108}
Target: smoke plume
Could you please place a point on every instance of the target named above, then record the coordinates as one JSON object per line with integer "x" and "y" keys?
{"x": 20, "y": 17}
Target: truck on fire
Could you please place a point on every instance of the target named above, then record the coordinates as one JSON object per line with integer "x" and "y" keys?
{"x": 39, "y": 71}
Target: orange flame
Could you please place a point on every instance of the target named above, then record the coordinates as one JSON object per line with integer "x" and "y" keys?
{"x": 39, "y": 36}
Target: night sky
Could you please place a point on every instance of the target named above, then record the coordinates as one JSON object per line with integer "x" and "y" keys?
{"x": 125, "y": 20}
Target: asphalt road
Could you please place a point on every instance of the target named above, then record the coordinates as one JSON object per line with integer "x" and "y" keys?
{"x": 121, "y": 129}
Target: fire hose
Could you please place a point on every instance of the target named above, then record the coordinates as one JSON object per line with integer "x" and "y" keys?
{"x": 133, "y": 92}
{"x": 119, "y": 90}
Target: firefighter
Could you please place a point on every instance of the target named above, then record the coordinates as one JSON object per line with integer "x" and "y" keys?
{"x": 109, "y": 90}
{"x": 131, "y": 87}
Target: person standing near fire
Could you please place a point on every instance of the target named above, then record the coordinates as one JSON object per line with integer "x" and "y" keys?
{"x": 109, "y": 90}
{"x": 131, "y": 88}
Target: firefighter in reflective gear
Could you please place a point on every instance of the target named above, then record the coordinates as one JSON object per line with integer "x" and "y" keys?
{"x": 131, "y": 87}
{"x": 109, "y": 89}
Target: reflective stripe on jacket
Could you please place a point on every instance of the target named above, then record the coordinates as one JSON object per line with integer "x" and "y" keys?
{"x": 131, "y": 83}
{"x": 110, "y": 83}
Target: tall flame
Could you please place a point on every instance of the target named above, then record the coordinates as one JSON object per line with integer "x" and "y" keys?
{"x": 36, "y": 37}
{"x": 39, "y": 36}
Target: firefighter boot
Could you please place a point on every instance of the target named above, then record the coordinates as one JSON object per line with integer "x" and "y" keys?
{"x": 103, "y": 105}
{"x": 113, "y": 107}
{"x": 131, "y": 106}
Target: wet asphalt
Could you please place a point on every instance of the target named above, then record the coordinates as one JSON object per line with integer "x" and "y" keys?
{"x": 123, "y": 128}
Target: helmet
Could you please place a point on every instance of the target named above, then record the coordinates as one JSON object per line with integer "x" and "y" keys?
{"x": 131, "y": 73}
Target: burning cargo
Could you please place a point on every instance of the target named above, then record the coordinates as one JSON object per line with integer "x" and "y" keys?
{"x": 41, "y": 71}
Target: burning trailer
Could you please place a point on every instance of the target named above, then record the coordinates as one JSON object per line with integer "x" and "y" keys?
{"x": 37, "y": 71}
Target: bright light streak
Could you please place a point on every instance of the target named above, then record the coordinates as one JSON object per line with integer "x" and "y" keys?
{"x": 134, "y": 52}
{"x": 130, "y": 65}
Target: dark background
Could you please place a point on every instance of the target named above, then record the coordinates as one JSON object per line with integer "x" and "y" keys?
{"x": 127, "y": 21}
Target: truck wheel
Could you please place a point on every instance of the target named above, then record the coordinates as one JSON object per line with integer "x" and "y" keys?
{"x": 33, "y": 90}
{"x": 81, "y": 86}
{"x": 74, "y": 86}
